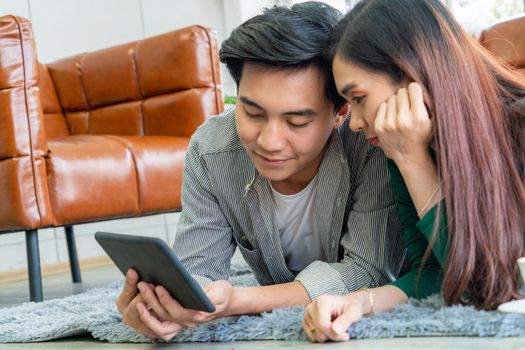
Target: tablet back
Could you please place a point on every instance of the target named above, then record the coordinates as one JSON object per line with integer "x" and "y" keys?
{"x": 155, "y": 263}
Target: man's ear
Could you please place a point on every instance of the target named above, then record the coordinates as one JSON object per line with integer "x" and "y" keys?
{"x": 342, "y": 113}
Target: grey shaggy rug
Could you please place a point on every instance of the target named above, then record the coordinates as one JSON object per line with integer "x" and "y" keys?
{"x": 94, "y": 312}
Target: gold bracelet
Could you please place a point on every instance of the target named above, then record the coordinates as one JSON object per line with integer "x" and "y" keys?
{"x": 370, "y": 298}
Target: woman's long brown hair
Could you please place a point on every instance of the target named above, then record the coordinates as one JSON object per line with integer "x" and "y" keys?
{"x": 479, "y": 135}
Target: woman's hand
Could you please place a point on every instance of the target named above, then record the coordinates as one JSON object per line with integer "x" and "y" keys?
{"x": 329, "y": 317}
{"x": 403, "y": 125}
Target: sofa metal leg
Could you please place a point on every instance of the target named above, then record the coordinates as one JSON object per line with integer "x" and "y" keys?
{"x": 73, "y": 256}
{"x": 33, "y": 264}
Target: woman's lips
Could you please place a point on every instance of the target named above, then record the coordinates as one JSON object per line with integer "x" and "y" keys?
{"x": 374, "y": 141}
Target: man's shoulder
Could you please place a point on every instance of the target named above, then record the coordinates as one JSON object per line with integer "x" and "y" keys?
{"x": 217, "y": 134}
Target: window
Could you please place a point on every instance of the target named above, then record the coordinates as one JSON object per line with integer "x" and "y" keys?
{"x": 468, "y": 12}
{"x": 341, "y": 5}
{"x": 484, "y": 12}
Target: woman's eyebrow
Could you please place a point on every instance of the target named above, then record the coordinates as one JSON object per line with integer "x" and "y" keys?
{"x": 347, "y": 88}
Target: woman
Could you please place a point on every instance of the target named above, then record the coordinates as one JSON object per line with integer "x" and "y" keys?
{"x": 451, "y": 120}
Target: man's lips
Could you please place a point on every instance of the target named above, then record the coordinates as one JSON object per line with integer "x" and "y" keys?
{"x": 271, "y": 160}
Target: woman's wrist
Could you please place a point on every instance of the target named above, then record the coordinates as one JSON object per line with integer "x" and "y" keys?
{"x": 415, "y": 159}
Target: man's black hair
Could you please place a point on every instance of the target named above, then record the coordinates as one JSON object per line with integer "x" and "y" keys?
{"x": 287, "y": 38}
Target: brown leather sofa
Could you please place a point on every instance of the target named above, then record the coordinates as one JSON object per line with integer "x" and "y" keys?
{"x": 100, "y": 135}
{"x": 506, "y": 39}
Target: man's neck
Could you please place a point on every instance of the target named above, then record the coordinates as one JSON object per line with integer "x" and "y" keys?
{"x": 289, "y": 186}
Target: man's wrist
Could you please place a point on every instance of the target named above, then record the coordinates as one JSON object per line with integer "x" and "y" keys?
{"x": 236, "y": 305}
{"x": 363, "y": 295}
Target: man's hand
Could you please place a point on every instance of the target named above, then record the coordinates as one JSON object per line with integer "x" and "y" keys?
{"x": 165, "y": 317}
{"x": 127, "y": 305}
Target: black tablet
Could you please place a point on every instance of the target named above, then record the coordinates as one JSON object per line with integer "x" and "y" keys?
{"x": 155, "y": 263}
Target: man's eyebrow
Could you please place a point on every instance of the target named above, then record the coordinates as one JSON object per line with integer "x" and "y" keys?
{"x": 307, "y": 112}
{"x": 347, "y": 88}
{"x": 249, "y": 102}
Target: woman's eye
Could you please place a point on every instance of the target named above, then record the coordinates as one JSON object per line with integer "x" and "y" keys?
{"x": 357, "y": 99}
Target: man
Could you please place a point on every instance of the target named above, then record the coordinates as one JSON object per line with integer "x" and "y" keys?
{"x": 282, "y": 178}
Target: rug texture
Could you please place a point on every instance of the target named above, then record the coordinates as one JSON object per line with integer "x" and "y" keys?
{"x": 94, "y": 312}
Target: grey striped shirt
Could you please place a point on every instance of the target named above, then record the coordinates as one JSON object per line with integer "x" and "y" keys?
{"x": 227, "y": 204}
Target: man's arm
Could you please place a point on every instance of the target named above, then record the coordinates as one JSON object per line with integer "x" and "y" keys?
{"x": 204, "y": 242}
{"x": 254, "y": 300}
{"x": 373, "y": 245}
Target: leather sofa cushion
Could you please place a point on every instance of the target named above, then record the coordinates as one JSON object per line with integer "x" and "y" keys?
{"x": 93, "y": 176}
{"x": 159, "y": 163}
{"x": 90, "y": 177}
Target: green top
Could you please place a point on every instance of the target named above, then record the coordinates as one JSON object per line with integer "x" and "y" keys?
{"x": 417, "y": 233}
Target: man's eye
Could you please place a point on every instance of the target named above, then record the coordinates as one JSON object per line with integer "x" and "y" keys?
{"x": 294, "y": 125}
{"x": 253, "y": 115}
{"x": 357, "y": 99}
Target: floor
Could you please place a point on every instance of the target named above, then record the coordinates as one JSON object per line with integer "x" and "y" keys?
{"x": 60, "y": 285}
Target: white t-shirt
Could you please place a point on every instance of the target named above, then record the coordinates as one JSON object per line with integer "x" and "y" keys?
{"x": 297, "y": 227}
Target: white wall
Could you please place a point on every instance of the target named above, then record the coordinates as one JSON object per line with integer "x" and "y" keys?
{"x": 67, "y": 27}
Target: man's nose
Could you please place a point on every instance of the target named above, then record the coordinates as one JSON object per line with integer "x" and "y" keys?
{"x": 271, "y": 138}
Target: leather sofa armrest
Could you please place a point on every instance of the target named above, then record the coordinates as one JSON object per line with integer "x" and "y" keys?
{"x": 23, "y": 146}
{"x": 505, "y": 40}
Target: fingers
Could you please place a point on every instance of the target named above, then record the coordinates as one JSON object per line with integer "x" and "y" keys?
{"x": 129, "y": 292}
{"x": 402, "y": 102}
{"x": 311, "y": 331}
{"x": 316, "y": 322}
{"x": 417, "y": 103}
{"x": 329, "y": 307}
{"x": 165, "y": 330}
{"x": 379, "y": 123}
{"x": 131, "y": 318}
{"x": 323, "y": 312}
{"x": 150, "y": 298}
{"x": 341, "y": 324}
{"x": 391, "y": 113}
{"x": 185, "y": 317}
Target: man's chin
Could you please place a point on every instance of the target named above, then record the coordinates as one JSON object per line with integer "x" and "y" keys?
{"x": 272, "y": 175}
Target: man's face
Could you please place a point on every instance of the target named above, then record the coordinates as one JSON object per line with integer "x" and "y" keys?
{"x": 284, "y": 121}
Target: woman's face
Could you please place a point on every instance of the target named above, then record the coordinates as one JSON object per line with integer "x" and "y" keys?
{"x": 364, "y": 91}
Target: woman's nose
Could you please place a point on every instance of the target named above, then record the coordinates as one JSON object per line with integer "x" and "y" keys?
{"x": 357, "y": 123}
